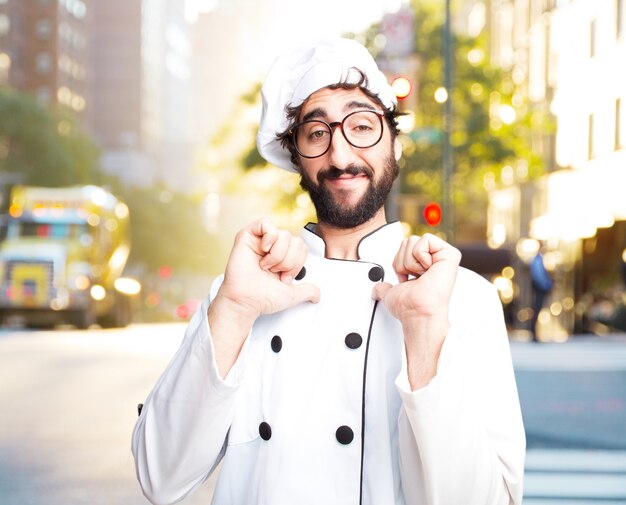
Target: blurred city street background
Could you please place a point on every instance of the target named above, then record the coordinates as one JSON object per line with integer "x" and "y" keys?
{"x": 128, "y": 163}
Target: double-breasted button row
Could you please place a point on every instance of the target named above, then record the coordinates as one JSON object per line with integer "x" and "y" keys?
{"x": 353, "y": 341}
{"x": 375, "y": 274}
{"x": 344, "y": 434}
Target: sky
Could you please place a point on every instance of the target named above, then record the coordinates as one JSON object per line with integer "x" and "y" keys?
{"x": 327, "y": 15}
{"x": 244, "y": 37}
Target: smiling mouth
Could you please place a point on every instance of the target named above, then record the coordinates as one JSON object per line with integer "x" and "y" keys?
{"x": 347, "y": 174}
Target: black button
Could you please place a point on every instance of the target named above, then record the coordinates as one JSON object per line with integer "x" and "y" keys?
{"x": 376, "y": 273}
{"x": 139, "y": 408}
{"x": 301, "y": 274}
{"x": 277, "y": 343}
{"x": 344, "y": 435}
{"x": 265, "y": 430}
{"x": 353, "y": 340}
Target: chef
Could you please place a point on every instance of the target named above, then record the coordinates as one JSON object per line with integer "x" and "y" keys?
{"x": 351, "y": 365}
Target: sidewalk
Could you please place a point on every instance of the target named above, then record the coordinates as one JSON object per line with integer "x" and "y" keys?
{"x": 579, "y": 352}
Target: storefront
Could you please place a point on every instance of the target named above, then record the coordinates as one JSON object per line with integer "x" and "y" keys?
{"x": 579, "y": 217}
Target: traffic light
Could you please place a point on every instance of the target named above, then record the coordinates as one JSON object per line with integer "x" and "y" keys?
{"x": 406, "y": 95}
{"x": 402, "y": 87}
{"x": 432, "y": 214}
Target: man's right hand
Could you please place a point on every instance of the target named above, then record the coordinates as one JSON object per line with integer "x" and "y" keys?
{"x": 258, "y": 280}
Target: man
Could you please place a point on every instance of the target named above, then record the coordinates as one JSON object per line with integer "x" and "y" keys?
{"x": 349, "y": 366}
{"x": 542, "y": 285}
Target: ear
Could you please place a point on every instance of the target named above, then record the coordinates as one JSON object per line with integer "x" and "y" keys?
{"x": 397, "y": 149}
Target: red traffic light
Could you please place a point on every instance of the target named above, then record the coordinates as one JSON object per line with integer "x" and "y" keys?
{"x": 401, "y": 87}
{"x": 432, "y": 214}
{"x": 165, "y": 272}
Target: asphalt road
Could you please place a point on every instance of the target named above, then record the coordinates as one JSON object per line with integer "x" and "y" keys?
{"x": 69, "y": 404}
{"x": 573, "y": 395}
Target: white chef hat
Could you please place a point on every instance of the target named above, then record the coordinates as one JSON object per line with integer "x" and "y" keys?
{"x": 298, "y": 73}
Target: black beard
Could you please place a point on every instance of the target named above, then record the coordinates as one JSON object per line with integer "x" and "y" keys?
{"x": 331, "y": 212}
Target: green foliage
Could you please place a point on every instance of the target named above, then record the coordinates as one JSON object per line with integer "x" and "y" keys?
{"x": 483, "y": 144}
{"x": 252, "y": 158}
{"x": 166, "y": 229}
{"x": 45, "y": 147}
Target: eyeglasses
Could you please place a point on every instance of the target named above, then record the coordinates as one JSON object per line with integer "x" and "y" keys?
{"x": 362, "y": 129}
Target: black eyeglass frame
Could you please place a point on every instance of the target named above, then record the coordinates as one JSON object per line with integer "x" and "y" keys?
{"x": 331, "y": 128}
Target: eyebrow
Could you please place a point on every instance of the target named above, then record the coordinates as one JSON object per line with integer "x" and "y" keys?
{"x": 352, "y": 105}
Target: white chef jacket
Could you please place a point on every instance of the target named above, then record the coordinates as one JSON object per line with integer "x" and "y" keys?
{"x": 317, "y": 408}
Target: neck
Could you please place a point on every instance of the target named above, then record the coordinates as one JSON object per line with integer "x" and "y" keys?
{"x": 342, "y": 243}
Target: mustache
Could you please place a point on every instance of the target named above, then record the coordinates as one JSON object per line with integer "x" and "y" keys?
{"x": 336, "y": 173}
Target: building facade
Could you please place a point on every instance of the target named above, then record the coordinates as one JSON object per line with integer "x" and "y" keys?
{"x": 122, "y": 66}
{"x": 567, "y": 56}
{"x": 141, "y": 81}
{"x": 45, "y": 50}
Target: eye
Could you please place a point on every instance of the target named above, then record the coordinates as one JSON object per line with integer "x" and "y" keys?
{"x": 314, "y": 132}
{"x": 361, "y": 127}
{"x": 317, "y": 134}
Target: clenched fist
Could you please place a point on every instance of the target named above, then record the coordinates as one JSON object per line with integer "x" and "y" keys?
{"x": 258, "y": 280}
{"x": 426, "y": 267}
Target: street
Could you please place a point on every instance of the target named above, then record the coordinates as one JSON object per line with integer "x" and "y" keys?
{"x": 69, "y": 402}
{"x": 573, "y": 399}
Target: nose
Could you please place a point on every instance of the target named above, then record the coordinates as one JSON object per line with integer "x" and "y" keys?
{"x": 340, "y": 153}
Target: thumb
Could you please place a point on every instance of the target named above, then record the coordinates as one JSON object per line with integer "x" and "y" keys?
{"x": 305, "y": 292}
{"x": 380, "y": 290}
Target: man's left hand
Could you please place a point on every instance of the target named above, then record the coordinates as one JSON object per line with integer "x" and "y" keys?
{"x": 426, "y": 267}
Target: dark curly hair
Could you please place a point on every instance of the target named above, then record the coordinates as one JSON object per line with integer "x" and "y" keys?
{"x": 293, "y": 113}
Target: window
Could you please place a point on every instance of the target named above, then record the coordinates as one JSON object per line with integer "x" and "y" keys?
{"x": 43, "y": 29}
{"x": 5, "y": 67}
{"x": 5, "y": 24}
{"x": 592, "y": 39}
{"x": 590, "y": 146}
{"x": 43, "y": 63}
{"x": 618, "y": 124}
{"x": 44, "y": 95}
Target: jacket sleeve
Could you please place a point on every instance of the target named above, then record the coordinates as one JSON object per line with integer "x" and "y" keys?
{"x": 462, "y": 437}
{"x": 181, "y": 433}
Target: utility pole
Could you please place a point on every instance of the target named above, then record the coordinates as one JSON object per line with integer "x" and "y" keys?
{"x": 448, "y": 158}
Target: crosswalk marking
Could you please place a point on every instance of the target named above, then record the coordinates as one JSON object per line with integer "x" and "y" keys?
{"x": 559, "y": 477}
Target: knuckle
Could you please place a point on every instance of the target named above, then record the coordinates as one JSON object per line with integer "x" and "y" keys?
{"x": 240, "y": 234}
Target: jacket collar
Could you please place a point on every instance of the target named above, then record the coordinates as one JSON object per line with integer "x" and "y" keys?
{"x": 379, "y": 246}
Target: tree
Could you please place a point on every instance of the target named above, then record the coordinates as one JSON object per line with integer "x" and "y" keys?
{"x": 44, "y": 146}
{"x": 493, "y": 123}
{"x": 166, "y": 229}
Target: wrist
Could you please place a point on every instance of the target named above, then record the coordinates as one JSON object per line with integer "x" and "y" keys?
{"x": 417, "y": 327}
{"x": 229, "y": 327}
{"x": 423, "y": 340}
{"x": 235, "y": 305}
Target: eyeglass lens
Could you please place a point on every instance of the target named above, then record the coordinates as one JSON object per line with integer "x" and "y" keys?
{"x": 361, "y": 129}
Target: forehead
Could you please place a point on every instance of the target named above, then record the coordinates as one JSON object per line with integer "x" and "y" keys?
{"x": 329, "y": 102}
